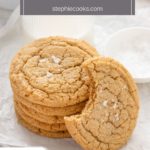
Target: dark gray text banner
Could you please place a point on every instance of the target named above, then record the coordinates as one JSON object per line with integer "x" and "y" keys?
{"x": 77, "y": 7}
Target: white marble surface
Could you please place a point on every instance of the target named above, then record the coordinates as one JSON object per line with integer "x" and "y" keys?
{"x": 11, "y": 133}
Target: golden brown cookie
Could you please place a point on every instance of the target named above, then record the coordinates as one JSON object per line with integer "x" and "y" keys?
{"x": 39, "y": 117}
{"x": 39, "y": 124}
{"x": 51, "y": 111}
{"x": 48, "y": 71}
{"x": 110, "y": 115}
{"x": 59, "y": 134}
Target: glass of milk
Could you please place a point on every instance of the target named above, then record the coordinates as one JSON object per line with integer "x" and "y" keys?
{"x": 68, "y": 26}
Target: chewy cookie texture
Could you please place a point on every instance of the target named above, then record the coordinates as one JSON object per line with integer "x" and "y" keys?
{"x": 49, "y": 83}
{"x": 110, "y": 115}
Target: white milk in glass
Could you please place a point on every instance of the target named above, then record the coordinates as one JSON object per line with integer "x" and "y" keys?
{"x": 68, "y": 26}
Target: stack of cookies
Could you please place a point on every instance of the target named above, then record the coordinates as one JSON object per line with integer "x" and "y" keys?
{"x": 49, "y": 82}
{"x": 62, "y": 87}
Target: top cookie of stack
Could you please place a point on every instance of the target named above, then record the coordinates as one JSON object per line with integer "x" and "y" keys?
{"x": 48, "y": 81}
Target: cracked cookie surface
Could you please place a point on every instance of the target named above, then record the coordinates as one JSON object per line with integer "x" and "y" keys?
{"x": 110, "y": 115}
{"x": 48, "y": 71}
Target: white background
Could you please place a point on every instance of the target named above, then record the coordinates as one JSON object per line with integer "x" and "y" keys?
{"x": 11, "y": 133}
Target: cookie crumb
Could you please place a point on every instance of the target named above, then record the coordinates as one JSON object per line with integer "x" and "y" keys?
{"x": 43, "y": 60}
{"x": 105, "y": 103}
{"x": 49, "y": 75}
{"x": 55, "y": 59}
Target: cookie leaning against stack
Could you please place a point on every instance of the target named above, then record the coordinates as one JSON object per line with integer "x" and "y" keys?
{"x": 49, "y": 83}
{"x": 110, "y": 115}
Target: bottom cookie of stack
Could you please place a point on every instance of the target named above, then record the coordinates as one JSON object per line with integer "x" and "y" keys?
{"x": 32, "y": 117}
{"x": 55, "y": 130}
{"x": 59, "y": 134}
